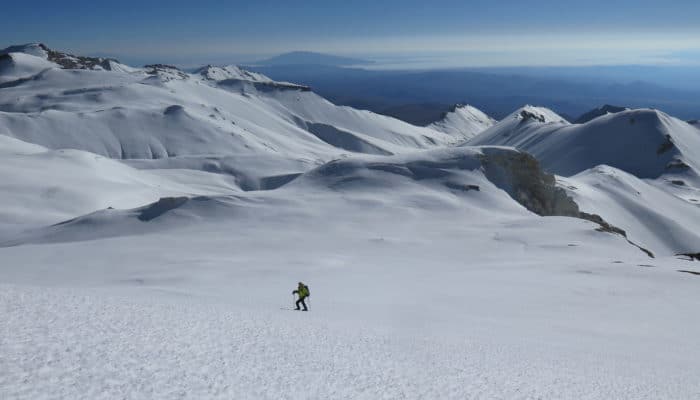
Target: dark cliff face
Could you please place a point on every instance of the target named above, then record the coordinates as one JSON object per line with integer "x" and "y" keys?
{"x": 522, "y": 177}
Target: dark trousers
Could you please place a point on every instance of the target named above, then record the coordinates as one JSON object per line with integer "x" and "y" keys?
{"x": 301, "y": 301}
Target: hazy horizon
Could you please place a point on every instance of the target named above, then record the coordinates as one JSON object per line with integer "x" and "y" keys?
{"x": 401, "y": 34}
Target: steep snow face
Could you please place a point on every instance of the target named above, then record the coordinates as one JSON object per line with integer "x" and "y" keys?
{"x": 160, "y": 111}
{"x": 645, "y": 143}
{"x": 186, "y": 296}
{"x": 653, "y": 216}
{"x": 463, "y": 121}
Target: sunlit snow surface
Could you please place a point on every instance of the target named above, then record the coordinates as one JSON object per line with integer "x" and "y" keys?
{"x": 428, "y": 279}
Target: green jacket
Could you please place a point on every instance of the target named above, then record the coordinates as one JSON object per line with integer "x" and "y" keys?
{"x": 302, "y": 291}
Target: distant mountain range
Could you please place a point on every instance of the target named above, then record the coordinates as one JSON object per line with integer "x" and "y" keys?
{"x": 310, "y": 58}
{"x": 421, "y": 97}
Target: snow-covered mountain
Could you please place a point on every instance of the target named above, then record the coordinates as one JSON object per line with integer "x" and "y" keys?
{"x": 152, "y": 221}
{"x": 463, "y": 120}
{"x": 646, "y": 143}
{"x": 160, "y": 111}
{"x": 611, "y": 161}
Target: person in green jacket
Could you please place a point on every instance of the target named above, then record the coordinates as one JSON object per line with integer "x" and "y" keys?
{"x": 303, "y": 292}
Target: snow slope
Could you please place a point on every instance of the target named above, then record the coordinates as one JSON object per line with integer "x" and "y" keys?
{"x": 481, "y": 180}
{"x": 652, "y": 216}
{"x": 419, "y": 290}
{"x": 43, "y": 187}
{"x": 14, "y": 66}
{"x": 463, "y": 121}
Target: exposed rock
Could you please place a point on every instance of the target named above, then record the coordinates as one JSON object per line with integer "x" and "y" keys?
{"x": 521, "y": 176}
{"x": 70, "y": 61}
{"x": 160, "y": 207}
{"x": 665, "y": 146}
{"x": 161, "y": 67}
{"x": 678, "y": 182}
{"x": 677, "y": 164}
{"x": 166, "y": 72}
{"x": 691, "y": 256}
{"x": 527, "y": 115}
{"x": 461, "y": 187}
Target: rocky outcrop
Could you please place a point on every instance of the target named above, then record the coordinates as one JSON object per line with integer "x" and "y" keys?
{"x": 665, "y": 146}
{"x": 70, "y": 61}
{"x": 165, "y": 72}
{"x": 527, "y": 115}
{"x": 521, "y": 176}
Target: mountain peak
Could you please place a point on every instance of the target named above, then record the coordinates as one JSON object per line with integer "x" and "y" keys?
{"x": 63, "y": 60}
{"x": 33, "y": 49}
{"x": 537, "y": 114}
{"x": 463, "y": 121}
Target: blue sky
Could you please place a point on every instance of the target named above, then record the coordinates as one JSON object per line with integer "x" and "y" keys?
{"x": 469, "y": 33}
